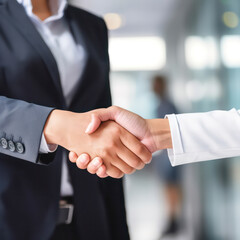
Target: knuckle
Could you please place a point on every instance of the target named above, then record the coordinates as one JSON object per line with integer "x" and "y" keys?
{"x": 112, "y": 144}
{"x": 116, "y": 130}
{"x": 104, "y": 153}
{"x": 114, "y": 108}
{"x": 95, "y": 115}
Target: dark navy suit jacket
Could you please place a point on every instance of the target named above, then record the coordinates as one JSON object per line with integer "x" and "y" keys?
{"x": 29, "y": 90}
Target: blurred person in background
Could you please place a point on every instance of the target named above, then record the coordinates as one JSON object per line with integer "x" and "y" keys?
{"x": 169, "y": 175}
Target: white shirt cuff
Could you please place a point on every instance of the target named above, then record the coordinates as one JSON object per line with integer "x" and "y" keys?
{"x": 176, "y": 139}
{"x": 205, "y": 136}
{"x": 47, "y": 148}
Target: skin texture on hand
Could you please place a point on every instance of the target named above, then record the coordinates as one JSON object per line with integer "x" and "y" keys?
{"x": 130, "y": 121}
{"x": 154, "y": 133}
{"x": 122, "y": 152}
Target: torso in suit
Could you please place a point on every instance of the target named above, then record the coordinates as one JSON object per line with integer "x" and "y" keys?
{"x": 29, "y": 181}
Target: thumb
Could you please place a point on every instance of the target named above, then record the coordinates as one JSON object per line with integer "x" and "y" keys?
{"x": 94, "y": 124}
{"x": 99, "y": 116}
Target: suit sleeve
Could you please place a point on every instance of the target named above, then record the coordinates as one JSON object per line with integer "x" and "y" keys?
{"x": 21, "y": 127}
{"x": 206, "y": 136}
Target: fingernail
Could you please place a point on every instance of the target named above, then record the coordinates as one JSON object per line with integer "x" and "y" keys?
{"x": 88, "y": 128}
{"x": 96, "y": 162}
{"x": 83, "y": 159}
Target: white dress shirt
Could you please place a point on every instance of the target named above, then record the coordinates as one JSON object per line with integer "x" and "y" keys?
{"x": 204, "y": 136}
{"x": 70, "y": 59}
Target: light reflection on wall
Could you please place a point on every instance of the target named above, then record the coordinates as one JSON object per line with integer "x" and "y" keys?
{"x": 137, "y": 53}
{"x": 201, "y": 52}
{"x": 230, "y": 19}
{"x": 230, "y": 49}
{"x": 198, "y": 90}
{"x": 113, "y": 20}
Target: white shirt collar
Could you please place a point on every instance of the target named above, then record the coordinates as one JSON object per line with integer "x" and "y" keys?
{"x": 57, "y": 8}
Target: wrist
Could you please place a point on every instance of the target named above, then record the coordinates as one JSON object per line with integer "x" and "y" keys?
{"x": 63, "y": 126}
{"x": 160, "y": 132}
{"x": 52, "y": 129}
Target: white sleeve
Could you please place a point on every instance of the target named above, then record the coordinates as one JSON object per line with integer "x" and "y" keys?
{"x": 204, "y": 136}
{"x": 46, "y": 148}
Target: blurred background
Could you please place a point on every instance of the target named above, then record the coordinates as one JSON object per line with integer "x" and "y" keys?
{"x": 194, "y": 46}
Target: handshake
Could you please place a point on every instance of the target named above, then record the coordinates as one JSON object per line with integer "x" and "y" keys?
{"x": 108, "y": 142}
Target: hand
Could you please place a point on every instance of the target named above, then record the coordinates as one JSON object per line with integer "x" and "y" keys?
{"x": 109, "y": 142}
{"x": 154, "y": 133}
{"x": 132, "y": 122}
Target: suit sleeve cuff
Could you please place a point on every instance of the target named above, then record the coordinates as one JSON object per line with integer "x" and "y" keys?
{"x": 176, "y": 139}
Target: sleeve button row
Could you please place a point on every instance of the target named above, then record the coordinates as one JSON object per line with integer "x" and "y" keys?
{"x": 18, "y": 147}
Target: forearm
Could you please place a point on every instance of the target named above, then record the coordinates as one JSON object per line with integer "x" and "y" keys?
{"x": 161, "y": 133}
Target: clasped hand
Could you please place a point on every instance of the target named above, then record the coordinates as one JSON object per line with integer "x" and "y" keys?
{"x": 112, "y": 147}
{"x": 122, "y": 152}
{"x": 110, "y": 141}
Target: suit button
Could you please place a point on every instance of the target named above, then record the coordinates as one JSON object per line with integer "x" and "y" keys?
{"x": 4, "y": 143}
{"x": 11, "y": 146}
{"x": 19, "y": 147}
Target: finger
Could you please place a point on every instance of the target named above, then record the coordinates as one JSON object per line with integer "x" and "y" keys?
{"x": 94, "y": 165}
{"x": 114, "y": 172}
{"x": 83, "y": 160}
{"x": 130, "y": 158}
{"x": 72, "y": 157}
{"x": 133, "y": 144}
{"x": 102, "y": 172}
{"x": 122, "y": 165}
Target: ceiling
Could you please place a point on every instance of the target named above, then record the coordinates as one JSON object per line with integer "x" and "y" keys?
{"x": 140, "y": 17}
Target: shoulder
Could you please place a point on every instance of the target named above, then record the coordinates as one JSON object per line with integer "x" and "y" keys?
{"x": 86, "y": 16}
{"x": 92, "y": 25}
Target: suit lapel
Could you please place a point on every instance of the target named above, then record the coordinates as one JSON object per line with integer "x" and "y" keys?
{"x": 24, "y": 25}
{"x": 77, "y": 30}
